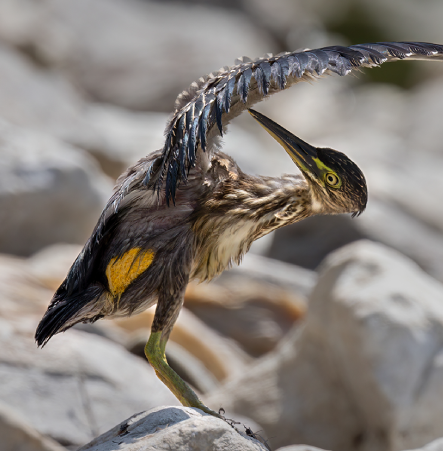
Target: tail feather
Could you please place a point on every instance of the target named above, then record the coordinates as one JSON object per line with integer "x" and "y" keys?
{"x": 65, "y": 311}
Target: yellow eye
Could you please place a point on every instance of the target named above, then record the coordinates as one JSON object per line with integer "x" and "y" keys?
{"x": 332, "y": 180}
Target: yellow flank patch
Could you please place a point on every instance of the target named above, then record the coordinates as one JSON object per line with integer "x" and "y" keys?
{"x": 121, "y": 271}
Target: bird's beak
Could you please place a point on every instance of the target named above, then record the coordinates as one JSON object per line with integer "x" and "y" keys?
{"x": 303, "y": 154}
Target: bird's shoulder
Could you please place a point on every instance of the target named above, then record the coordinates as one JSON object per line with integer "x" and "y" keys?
{"x": 134, "y": 202}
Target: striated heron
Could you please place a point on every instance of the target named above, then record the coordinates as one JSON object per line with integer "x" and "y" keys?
{"x": 188, "y": 212}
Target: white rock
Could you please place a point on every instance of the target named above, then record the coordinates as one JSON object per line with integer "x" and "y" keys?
{"x": 41, "y": 99}
{"x": 78, "y": 386}
{"x": 17, "y": 435}
{"x": 125, "y": 136}
{"x": 436, "y": 445}
{"x": 174, "y": 428}
{"x": 221, "y": 357}
{"x": 255, "y": 304}
{"x": 308, "y": 242}
{"x": 299, "y": 448}
{"x": 131, "y": 53}
{"x": 51, "y": 264}
{"x": 49, "y": 191}
{"x": 366, "y": 371}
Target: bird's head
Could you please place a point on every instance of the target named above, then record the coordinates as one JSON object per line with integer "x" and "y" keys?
{"x": 337, "y": 183}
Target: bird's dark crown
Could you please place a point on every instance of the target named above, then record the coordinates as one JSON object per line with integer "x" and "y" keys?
{"x": 339, "y": 182}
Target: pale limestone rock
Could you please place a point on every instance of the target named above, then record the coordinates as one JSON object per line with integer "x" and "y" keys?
{"x": 17, "y": 435}
{"x": 365, "y": 371}
{"x": 174, "y": 428}
{"x": 78, "y": 386}
{"x": 436, "y": 445}
{"x": 299, "y": 448}
{"x": 49, "y": 191}
{"x": 131, "y": 53}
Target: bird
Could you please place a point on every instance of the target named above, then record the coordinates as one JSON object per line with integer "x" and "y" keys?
{"x": 188, "y": 212}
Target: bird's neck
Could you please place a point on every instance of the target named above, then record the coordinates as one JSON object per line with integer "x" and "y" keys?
{"x": 241, "y": 211}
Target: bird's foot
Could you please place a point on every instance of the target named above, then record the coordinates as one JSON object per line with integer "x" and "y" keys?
{"x": 201, "y": 406}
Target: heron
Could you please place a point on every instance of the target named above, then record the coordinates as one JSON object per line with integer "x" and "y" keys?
{"x": 187, "y": 211}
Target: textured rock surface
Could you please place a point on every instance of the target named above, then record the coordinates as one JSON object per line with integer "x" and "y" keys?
{"x": 78, "y": 386}
{"x": 116, "y": 49}
{"x": 51, "y": 264}
{"x": 17, "y": 435}
{"x": 436, "y": 445}
{"x": 365, "y": 372}
{"x": 256, "y": 312}
{"x": 49, "y": 191}
{"x": 42, "y": 99}
{"x": 219, "y": 356}
{"x": 299, "y": 448}
{"x": 174, "y": 428}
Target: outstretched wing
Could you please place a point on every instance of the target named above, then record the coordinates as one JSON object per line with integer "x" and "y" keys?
{"x": 206, "y": 108}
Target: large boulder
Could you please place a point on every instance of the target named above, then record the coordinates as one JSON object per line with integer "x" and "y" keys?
{"x": 255, "y": 304}
{"x": 365, "y": 372}
{"x": 436, "y": 445}
{"x": 17, "y": 435}
{"x": 78, "y": 386}
{"x": 41, "y": 99}
{"x": 197, "y": 352}
{"x": 49, "y": 191}
{"x": 174, "y": 428}
{"x": 131, "y": 53}
{"x": 306, "y": 243}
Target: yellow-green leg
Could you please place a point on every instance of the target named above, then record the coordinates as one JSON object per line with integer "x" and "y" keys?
{"x": 155, "y": 353}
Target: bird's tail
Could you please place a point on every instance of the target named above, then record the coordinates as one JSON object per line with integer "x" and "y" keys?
{"x": 67, "y": 309}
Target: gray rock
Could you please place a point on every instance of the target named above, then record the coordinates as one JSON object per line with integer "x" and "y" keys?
{"x": 125, "y": 136}
{"x": 221, "y": 357}
{"x": 131, "y": 53}
{"x": 436, "y": 445}
{"x": 51, "y": 264}
{"x": 78, "y": 386}
{"x": 41, "y": 99}
{"x": 365, "y": 372}
{"x": 255, "y": 304}
{"x": 173, "y": 428}
{"x": 307, "y": 243}
{"x": 49, "y": 191}
{"x": 17, "y": 435}
{"x": 24, "y": 298}
{"x": 273, "y": 272}
{"x": 299, "y": 448}
{"x": 297, "y": 24}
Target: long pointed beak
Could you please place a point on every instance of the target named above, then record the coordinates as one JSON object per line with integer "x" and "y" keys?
{"x": 302, "y": 153}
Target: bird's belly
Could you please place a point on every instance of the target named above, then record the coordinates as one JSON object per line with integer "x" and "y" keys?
{"x": 222, "y": 250}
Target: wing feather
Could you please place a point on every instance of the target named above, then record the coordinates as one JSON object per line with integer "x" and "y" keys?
{"x": 204, "y": 110}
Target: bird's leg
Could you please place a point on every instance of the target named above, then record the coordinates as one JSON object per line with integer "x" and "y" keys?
{"x": 165, "y": 316}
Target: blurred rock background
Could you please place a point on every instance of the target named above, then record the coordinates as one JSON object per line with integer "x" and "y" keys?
{"x": 348, "y": 357}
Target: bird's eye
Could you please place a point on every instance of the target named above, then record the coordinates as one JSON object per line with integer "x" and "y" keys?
{"x": 332, "y": 180}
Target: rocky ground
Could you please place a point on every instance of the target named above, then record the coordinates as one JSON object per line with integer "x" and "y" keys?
{"x": 329, "y": 335}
